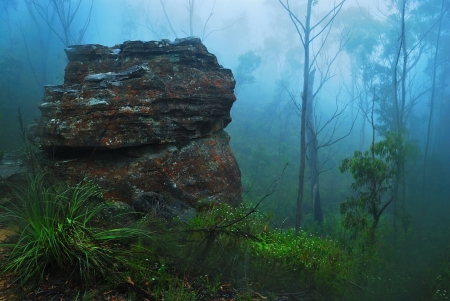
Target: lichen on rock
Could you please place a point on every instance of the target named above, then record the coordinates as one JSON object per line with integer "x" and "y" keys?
{"x": 143, "y": 117}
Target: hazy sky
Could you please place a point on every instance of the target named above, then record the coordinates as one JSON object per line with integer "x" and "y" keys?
{"x": 234, "y": 26}
{"x": 229, "y": 28}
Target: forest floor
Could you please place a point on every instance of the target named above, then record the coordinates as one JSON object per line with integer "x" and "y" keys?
{"x": 56, "y": 288}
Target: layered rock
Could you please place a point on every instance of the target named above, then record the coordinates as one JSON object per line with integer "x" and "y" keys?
{"x": 143, "y": 117}
{"x": 136, "y": 93}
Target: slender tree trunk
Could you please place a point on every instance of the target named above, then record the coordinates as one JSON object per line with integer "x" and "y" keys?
{"x": 191, "y": 17}
{"x": 353, "y": 87}
{"x": 399, "y": 108}
{"x": 430, "y": 117}
{"x": 168, "y": 19}
{"x": 44, "y": 40}
{"x": 301, "y": 177}
{"x": 401, "y": 154}
{"x": 313, "y": 155}
{"x": 365, "y": 108}
{"x": 305, "y": 37}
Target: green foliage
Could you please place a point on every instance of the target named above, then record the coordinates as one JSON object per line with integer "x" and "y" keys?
{"x": 248, "y": 63}
{"x": 441, "y": 284}
{"x": 374, "y": 172}
{"x": 191, "y": 258}
{"x": 310, "y": 260}
{"x": 270, "y": 257}
{"x": 218, "y": 238}
{"x": 53, "y": 232}
{"x": 224, "y": 214}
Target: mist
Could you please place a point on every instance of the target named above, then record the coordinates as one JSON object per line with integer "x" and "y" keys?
{"x": 376, "y": 69}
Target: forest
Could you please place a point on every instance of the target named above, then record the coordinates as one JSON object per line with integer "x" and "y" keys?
{"x": 340, "y": 128}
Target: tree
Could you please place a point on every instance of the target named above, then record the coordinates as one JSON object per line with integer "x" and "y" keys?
{"x": 308, "y": 33}
{"x": 434, "y": 62}
{"x": 314, "y": 129}
{"x": 388, "y": 69}
{"x": 374, "y": 172}
{"x": 364, "y": 31}
{"x": 191, "y": 9}
{"x": 65, "y": 11}
{"x": 248, "y": 63}
{"x": 6, "y": 5}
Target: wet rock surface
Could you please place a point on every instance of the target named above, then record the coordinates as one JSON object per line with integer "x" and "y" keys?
{"x": 143, "y": 118}
{"x": 203, "y": 169}
{"x": 136, "y": 93}
{"x": 163, "y": 206}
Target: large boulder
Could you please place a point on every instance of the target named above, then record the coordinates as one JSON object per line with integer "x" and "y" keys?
{"x": 143, "y": 117}
{"x": 136, "y": 93}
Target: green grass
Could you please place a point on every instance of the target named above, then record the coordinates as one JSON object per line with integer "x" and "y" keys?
{"x": 53, "y": 232}
{"x": 253, "y": 251}
{"x": 56, "y": 230}
{"x": 305, "y": 259}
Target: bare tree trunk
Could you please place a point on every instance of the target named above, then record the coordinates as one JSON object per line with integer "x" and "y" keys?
{"x": 44, "y": 40}
{"x": 191, "y": 16}
{"x": 301, "y": 177}
{"x": 306, "y": 39}
{"x": 430, "y": 117}
{"x": 313, "y": 156}
{"x": 363, "y": 125}
{"x": 168, "y": 19}
{"x": 65, "y": 12}
{"x": 399, "y": 124}
{"x": 402, "y": 111}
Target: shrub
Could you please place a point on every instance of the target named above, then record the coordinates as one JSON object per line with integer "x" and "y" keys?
{"x": 311, "y": 260}
{"x": 271, "y": 257}
{"x": 441, "y": 284}
{"x": 53, "y": 233}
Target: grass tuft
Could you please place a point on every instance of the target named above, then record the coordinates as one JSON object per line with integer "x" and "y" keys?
{"x": 53, "y": 232}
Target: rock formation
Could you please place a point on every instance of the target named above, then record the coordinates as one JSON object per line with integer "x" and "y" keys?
{"x": 143, "y": 117}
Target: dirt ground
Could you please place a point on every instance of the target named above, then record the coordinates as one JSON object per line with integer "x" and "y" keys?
{"x": 3, "y": 234}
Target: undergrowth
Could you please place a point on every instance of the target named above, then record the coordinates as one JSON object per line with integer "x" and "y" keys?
{"x": 53, "y": 232}
{"x": 63, "y": 230}
{"x": 312, "y": 261}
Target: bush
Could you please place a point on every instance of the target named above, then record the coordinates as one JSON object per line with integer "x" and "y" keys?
{"x": 217, "y": 239}
{"x": 441, "y": 284}
{"x": 311, "y": 260}
{"x": 53, "y": 232}
{"x": 270, "y": 257}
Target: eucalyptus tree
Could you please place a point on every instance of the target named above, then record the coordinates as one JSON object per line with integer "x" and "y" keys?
{"x": 248, "y": 63}
{"x": 363, "y": 30}
{"x": 309, "y": 33}
{"x": 190, "y": 7}
{"x": 373, "y": 172}
{"x": 436, "y": 12}
{"x": 414, "y": 27}
{"x": 390, "y": 72}
{"x": 65, "y": 12}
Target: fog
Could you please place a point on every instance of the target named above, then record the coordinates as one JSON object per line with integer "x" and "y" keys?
{"x": 355, "y": 50}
